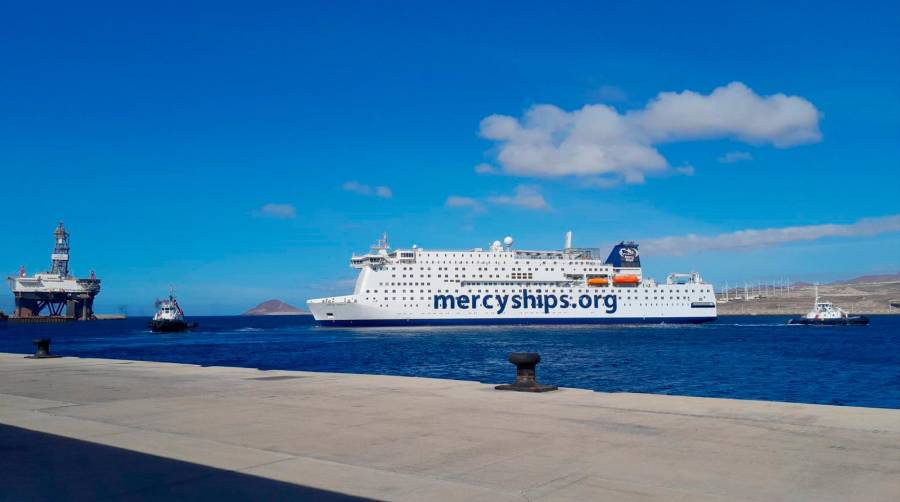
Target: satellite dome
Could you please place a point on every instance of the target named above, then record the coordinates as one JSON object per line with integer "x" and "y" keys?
{"x": 507, "y": 241}
{"x": 496, "y": 244}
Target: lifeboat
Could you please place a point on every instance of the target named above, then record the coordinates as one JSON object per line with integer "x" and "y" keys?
{"x": 598, "y": 281}
{"x": 626, "y": 280}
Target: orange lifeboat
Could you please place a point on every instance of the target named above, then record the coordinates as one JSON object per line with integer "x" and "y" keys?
{"x": 626, "y": 280}
{"x": 598, "y": 281}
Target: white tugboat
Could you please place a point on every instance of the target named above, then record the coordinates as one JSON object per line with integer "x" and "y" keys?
{"x": 169, "y": 317}
{"x": 826, "y": 314}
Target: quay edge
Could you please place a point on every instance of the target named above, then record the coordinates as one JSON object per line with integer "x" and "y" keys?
{"x": 401, "y": 438}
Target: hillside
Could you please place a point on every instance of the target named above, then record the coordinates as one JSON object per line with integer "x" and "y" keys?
{"x": 871, "y": 279}
{"x": 275, "y": 307}
{"x": 864, "y": 295}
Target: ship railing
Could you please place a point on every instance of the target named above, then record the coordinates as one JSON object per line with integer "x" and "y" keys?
{"x": 373, "y": 260}
{"x": 684, "y": 278}
{"x": 339, "y": 299}
{"x": 521, "y": 282}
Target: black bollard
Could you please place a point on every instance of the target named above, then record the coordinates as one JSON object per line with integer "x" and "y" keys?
{"x": 41, "y": 349}
{"x": 526, "y": 377}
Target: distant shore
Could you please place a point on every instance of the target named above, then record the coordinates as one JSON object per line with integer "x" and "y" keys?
{"x": 864, "y": 297}
{"x": 279, "y": 314}
{"x": 110, "y": 317}
{"x": 795, "y": 314}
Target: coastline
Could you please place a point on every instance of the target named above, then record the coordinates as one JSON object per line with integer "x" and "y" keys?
{"x": 856, "y": 297}
{"x": 793, "y": 313}
{"x": 299, "y": 314}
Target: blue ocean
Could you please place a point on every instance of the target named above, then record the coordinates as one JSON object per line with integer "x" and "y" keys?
{"x": 755, "y": 357}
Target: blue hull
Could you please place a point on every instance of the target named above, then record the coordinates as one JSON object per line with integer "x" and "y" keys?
{"x": 511, "y": 321}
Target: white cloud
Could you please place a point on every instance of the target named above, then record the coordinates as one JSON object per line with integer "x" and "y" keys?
{"x": 754, "y": 239}
{"x": 361, "y": 189}
{"x": 601, "y": 182}
{"x": 732, "y": 157}
{"x": 524, "y": 196}
{"x": 611, "y": 93}
{"x": 597, "y": 140}
{"x": 455, "y": 201}
{"x": 527, "y": 197}
{"x": 281, "y": 211}
{"x": 733, "y": 110}
{"x": 592, "y": 141}
{"x": 357, "y": 187}
{"x": 485, "y": 169}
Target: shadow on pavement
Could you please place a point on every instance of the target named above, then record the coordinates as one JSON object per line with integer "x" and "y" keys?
{"x": 39, "y": 466}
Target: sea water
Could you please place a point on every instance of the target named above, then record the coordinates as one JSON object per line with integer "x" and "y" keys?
{"x": 757, "y": 357}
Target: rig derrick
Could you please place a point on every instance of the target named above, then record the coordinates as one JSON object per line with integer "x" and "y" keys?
{"x": 54, "y": 296}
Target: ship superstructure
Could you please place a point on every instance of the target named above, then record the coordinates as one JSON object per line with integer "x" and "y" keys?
{"x": 56, "y": 292}
{"x": 503, "y": 285}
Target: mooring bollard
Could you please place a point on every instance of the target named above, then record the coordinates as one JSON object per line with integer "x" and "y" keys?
{"x": 41, "y": 349}
{"x": 526, "y": 377}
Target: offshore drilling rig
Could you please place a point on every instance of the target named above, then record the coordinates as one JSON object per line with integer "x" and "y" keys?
{"x": 65, "y": 298}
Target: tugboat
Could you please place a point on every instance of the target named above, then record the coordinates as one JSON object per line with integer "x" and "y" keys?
{"x": 169, "y": 317}
{"x": 826, "y": 314}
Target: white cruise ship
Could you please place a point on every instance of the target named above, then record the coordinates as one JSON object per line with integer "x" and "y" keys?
{"x": 503, "y": 285}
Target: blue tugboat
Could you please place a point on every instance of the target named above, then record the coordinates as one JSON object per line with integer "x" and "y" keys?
{"x": 826, "y": 314}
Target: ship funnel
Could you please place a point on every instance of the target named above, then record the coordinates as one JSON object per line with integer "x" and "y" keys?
{"x": 568, "y": 240}
{"x": 624, "y": 254}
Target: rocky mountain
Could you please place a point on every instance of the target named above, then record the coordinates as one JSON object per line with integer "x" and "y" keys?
{"x": 275, "y": 307}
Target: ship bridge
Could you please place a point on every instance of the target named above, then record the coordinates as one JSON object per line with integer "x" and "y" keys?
{"x": 380, "y": 256}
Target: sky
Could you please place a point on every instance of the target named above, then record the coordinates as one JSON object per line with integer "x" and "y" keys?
{"x": 243, "y": 151}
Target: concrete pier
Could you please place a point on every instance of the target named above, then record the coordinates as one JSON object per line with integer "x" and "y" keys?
{"x": 157, "y": 430}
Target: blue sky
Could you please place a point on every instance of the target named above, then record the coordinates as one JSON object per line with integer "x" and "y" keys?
{"x": 237, "y": 150}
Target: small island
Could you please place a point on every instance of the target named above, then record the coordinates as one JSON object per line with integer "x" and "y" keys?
{"x": 275, "y": 307}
